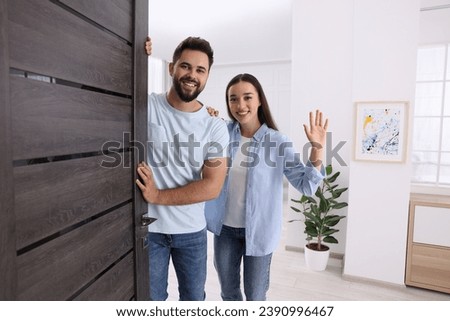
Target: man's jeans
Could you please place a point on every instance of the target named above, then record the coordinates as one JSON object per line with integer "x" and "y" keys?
{"x": 229, "y": 249}
{"x": 188, "y": 252}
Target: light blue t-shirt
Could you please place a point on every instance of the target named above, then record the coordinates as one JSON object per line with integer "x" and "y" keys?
{"x": 179, "y": 143}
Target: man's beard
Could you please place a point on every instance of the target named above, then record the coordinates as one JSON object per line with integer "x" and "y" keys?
{"x": 185, "y": 96}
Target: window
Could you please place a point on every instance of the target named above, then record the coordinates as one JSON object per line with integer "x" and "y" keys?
{"x": 431, "y": 138}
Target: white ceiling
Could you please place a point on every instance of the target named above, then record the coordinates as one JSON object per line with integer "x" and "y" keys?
{"x": 238, "y": 30}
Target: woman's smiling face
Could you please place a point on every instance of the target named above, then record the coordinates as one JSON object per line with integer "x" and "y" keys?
{"x": 243, "y": 101}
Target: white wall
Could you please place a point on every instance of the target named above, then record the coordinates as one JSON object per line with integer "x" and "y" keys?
{"x": 385, "y": 47}
{"x": 322, "y": 78}
{"x": 366, "y": 50}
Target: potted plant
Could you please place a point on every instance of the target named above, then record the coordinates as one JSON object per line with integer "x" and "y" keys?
{"x": 320, "y": 220}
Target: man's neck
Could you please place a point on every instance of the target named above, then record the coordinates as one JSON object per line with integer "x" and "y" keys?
{"x": 174, "y": 100}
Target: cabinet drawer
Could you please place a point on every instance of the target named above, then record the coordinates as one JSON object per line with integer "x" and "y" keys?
{"x": 429, "y": 267}
{"x": 432, "y": 225}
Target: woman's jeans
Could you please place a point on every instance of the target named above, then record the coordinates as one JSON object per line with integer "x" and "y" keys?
{"x": 188, "y": 252}
{"x": 229, "y": 249}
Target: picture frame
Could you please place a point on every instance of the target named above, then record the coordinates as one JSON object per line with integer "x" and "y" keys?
{"x": 381, "y": 131}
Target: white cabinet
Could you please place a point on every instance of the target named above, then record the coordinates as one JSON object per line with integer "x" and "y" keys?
{"x": 428, "y": 254}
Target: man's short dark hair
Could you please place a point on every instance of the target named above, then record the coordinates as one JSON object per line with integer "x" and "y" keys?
{"x": 194, "y": 43}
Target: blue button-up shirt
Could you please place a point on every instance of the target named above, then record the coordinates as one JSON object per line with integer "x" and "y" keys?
{"x": 270, "y": 156}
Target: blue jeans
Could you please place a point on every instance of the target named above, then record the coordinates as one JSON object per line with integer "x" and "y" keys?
{"x": 188, "y": 252}
{"x": 229, "y": 250}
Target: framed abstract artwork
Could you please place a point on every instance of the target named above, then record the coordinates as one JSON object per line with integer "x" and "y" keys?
{"x": 381, "y": 131}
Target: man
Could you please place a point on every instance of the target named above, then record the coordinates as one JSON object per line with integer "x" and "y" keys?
{"x": 187, "y": 167}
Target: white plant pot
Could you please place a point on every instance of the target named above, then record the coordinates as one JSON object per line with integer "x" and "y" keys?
{"x": 316, "y": 260}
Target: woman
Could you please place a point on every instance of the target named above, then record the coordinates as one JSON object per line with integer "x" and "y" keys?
{"x": 247, "y": 216}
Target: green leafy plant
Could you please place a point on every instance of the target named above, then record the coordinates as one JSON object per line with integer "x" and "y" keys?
{"x": 318, "y": 218}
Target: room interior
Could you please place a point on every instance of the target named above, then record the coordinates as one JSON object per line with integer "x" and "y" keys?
{"x": 72, "y": 225}
{"x": 331, "y": 55}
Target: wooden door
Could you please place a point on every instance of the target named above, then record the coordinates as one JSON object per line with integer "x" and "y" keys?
{"x": 73, "y": 100}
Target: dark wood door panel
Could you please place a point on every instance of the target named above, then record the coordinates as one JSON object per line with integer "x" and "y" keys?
{"x": 52, "y": 196}
{"x": 114, "y": 15}
{"x": 140, "y": 135}
{"x": 7, "y": 221}
{"x": 73, "y": 76}
{"x": 59, "y": 269}
{"x": 115, "y": 285}
{"x": 51, "y": 120}
{"x": 43, "y": 33}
